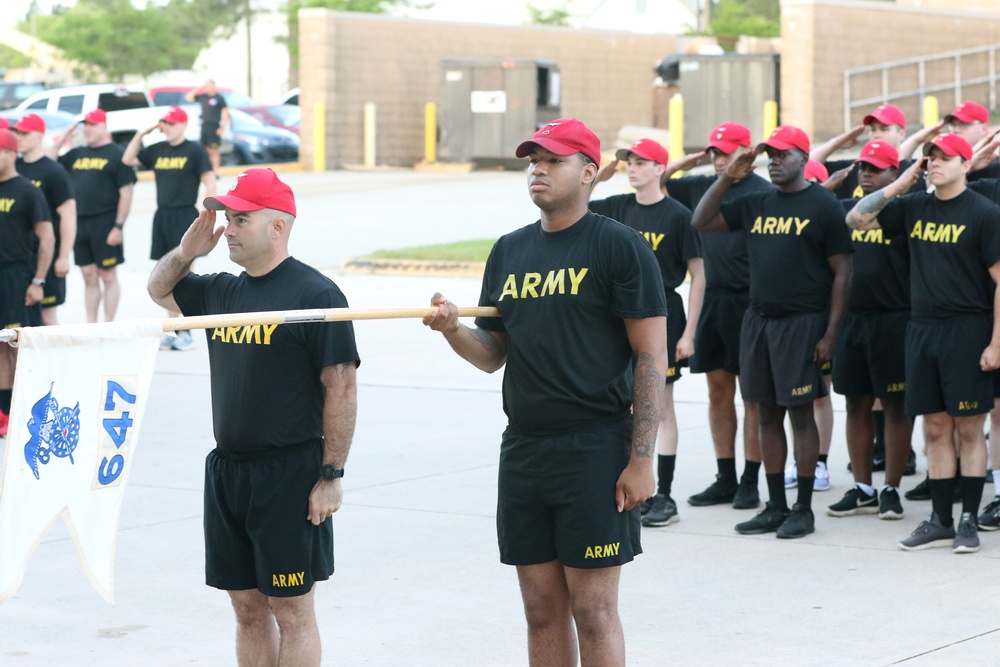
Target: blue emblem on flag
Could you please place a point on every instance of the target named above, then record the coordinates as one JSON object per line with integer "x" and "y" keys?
{"x": 54, "y": 431}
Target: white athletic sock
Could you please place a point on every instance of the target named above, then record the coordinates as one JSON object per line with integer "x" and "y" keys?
{"x": 868, "y": 489}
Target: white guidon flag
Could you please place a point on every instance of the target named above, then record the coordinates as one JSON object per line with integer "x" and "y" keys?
{"x": 80, "y": 394}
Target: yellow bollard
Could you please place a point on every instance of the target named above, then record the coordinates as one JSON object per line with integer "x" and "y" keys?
{"x": 430, "y": 133}
{"x": 675, "y": 122}
{"x": 931, "y": 111}
{"x": 370, "y": 134}
{"x": 770, "y": 117}
{"x": 319, "y": 137}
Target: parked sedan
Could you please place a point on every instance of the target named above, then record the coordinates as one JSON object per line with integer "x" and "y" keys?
{"x": 286, "y": 116}
{"x": 254, "y": 142}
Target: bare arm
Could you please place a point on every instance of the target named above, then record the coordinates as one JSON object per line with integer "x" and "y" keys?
{"x": 912, "y": 142}
{"x": 46, "y": 247}
{"x": 648, "y": 338}
{"x": 683, "y": 163}
{"x": 842, "y": 267}
{"x": 837, "y": 178}
{"x": 990, "y": 359}
{"x": 198, "y": 240}
{"x": 707, "y": 216}
{"x": 604, "y": 173}
{"x": 192, "y": 94}
{"x": 53, "y": 151}
{"x": 696, "y": 297}
{"x": 340, "y": 410}
{"x": 67, "y": 236}
{"x": 864, "y": 215}
{"x": 116, "y": 235}
{"x": 223, "y": 120}
{"x": 486, "y": 350}
{"x": 840, "y": 142}
{"x": 131, "y": 155}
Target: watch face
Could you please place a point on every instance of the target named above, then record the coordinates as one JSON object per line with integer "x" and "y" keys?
{"x": 328, "y": 471}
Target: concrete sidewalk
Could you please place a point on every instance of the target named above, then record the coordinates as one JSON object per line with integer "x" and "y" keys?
{"x": 418, "y": 581}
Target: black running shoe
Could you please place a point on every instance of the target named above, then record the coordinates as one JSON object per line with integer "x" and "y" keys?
{"x": 767, "y": 521}
{"x": 662, "y": 512}
{"x": 855, "y": 501}
{"x": 889, "y": 506}
{"x": 990, "y": 518}
{"x": 747, "y": 496}
{"x": 800, "y": 522}
{"x": 921, "y": 491}
{"x": 720, "y": 492}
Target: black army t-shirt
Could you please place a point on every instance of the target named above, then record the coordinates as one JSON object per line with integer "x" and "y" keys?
{"x": 790, "y": 236}
{"x": 211, "y": 108}
{"x": 97, "y": 175}
{"x": 563, "y": 297}
{"x": 178, "y": 171}
{"x": 266, "y": 388}
{"x": 726, "y": 263}
{"x": 881, "y": 276}
{"x": 665, "y": 224}
{"x": 21, "y": 206}
{"x": 49, "y": 177}
{"x": 952, "y": 243}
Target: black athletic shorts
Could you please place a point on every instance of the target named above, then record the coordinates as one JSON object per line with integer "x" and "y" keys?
{"x": 676, "y": 321}
{"x": 14, "y": 281}
{"x": 942, "y": 366}
{"x": 256, "y": 531}
{"x": 556, "y": 498}
{"x": 717, "y": 337}
{"x": 209, "y": 136}
{"x": 169, "y": 225}
{"x": 870, "y": 359}
{"x": 776, "y": 355}
{"x": 91, "y": 246}
{"x": 55, "y": 288}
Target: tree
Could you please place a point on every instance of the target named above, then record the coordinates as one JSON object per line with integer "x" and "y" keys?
{"x": 558, "y": 16}
{"x": 757, "y": 18}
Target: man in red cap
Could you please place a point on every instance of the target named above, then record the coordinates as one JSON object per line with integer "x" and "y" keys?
{"x": 800, "y": 264}
{"x": 666, "y": 224}
{"x": 179, "y": 166}
{"x": 103, "y": 185}
{"x": 55, "y": 184}
{"x": 953, "y": 338}
{"x": 26, "y": 245}
{"x": 579, "y": 295}
{"x": 717, "y": 341}
{"x": 869, "y": 363}
{"x": 280, "y": 454}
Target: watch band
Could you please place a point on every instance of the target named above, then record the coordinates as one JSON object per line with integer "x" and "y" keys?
{"x": 38, "y": 281}
{"x": 329, "y": 472}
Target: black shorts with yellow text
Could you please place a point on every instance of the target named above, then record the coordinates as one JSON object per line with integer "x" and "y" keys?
{"x": 676, "y": 322}
{"x": 870, "y": 359}
{"x": 776, "y": 358}
{"x": 169, "y": 225}
{"x": 556, "y": 498}
{"x": 91, "y": 245}
{"x": 942, "y": 366}
{"x": 717, "y": 338}
{"x": 14, "y": 282}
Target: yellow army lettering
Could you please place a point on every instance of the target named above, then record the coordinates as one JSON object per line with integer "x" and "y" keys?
{"x": 602, "y": 551}
{"x": 6, "y": 204}
{"x": 937, "y": 233}
{"x": 110, "y": 261}
{"x": 869, "y": 236}
{"x": 248, "y": 333}
{"x": 895, "y": 387}
{"x": 967, "y": 405}
{"x": 555, "y": 282}
{"x": 87, "y": 163}
{"x": 654, "y": 239}
{"x": 671, "y": 371}
{"x": 286, "y": 580}
{"x": 773, "y": 225}
{"x": 802, "y": 391}
{"x": 163, "y": 163}
{"x": 37, "y": 184}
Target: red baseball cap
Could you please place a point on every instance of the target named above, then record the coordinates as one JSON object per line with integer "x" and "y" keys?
{"x": 253, "y": 190}
{"x": 8, "y": 141}
{"x": 969, "y": 112}
{"x": 175, "y": 115}
{"x": 564, "y": 136}
{"x": 815, "y": 171}
{"x": 30, "y": 122}
{"x": 879, "y": 154}
{"x": 96, "y": 116}
{"x": 950, "y": 144}
{"x": 785, "y": 137}
{"x": 4, "y": 124}
{"x": 647, "y": 149}
{"x": 887, "y": 114}
{"x": 728, "y": 137}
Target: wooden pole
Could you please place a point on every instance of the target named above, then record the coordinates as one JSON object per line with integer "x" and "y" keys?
{"x": 294, "y": 317}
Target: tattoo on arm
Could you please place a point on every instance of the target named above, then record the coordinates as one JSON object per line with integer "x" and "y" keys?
{"x": 868, "y": 208}
{"x": 488, "y": 342}
{"x": 646, "y": 390}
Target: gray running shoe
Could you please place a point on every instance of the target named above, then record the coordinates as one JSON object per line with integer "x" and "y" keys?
{"x": 662, "y": 512}
{"x": 966, "y": 537}
{"x": 929, "y": 534}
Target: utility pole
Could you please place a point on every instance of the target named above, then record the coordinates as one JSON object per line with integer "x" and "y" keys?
{"x": 249, "y": 23}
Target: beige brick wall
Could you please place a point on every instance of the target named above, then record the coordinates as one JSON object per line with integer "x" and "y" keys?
{"x": 349, "y": 59}
{"x": 822, "y": 38}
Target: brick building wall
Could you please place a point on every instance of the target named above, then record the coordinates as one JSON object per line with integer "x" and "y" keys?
{"x": 822, "y": 38}
{"x": 350, "y": 59}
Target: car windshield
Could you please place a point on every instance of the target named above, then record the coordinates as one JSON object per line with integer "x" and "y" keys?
{"x": 235, "y": 99}
{"x": 242, "y": 120}
{"x": 289, "y": 115}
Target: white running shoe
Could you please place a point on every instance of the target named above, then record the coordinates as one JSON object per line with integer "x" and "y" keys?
{"x": 791, "y": 476}
{"x": 822, "y": 482}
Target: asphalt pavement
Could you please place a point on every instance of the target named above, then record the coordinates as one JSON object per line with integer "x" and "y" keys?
{"x": 417, "y": 581}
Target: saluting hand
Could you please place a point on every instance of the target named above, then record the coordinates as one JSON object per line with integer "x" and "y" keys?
{"x": 606, "y": 171}
{"x": 850, "y": 138}
{"x": 742, "y": 166}
{"x": 202, "y": 236}
{"x": 837, "y": 178}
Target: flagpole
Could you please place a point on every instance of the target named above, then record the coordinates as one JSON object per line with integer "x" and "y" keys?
{"x": 294, "y": 317}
